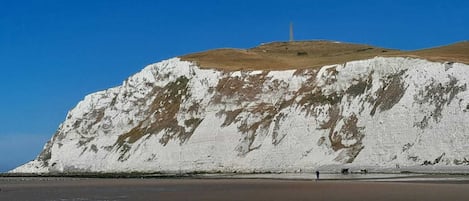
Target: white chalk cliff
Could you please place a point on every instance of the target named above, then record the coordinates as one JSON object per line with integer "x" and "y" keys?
{"x": 176, "y": 117}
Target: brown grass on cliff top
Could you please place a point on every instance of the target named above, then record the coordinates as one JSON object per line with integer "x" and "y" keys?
{"x": 457, "y": 52}
{"x": 310, "y": 54}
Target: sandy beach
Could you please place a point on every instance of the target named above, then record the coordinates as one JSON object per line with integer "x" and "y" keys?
{"x": 82, "y": 189}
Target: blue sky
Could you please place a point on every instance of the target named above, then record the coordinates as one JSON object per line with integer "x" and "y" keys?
{"x": 53, "y": 53}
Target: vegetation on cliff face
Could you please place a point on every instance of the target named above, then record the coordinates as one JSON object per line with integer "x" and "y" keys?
{"x": 440, "y": 95}
{"x": 163, "y": 117}
{"x": 390, "y": 93}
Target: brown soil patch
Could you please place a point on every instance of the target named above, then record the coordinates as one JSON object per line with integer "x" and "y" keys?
{"x": 310, "y": 54}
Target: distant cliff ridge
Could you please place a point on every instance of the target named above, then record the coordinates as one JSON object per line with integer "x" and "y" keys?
{"x": 382, "y": 112}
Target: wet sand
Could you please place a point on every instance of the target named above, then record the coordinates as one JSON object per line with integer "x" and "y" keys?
{"x": 68, "y": 189}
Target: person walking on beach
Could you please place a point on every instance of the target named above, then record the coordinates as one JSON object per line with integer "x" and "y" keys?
{"x": 317, "y": 175}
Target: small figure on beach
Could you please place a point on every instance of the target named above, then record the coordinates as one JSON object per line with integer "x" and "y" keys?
{"x": 317, "y": 175}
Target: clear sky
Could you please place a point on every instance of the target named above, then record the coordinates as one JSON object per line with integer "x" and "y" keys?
{"x": 54, "y": 52}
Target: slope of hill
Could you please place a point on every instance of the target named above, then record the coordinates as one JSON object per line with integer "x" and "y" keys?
{"x": 458, "y": 52}
{"x": 313, "y": 54}
{"x": 175, "y": 116}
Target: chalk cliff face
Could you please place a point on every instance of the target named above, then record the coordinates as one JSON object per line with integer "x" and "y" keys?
{"x": 176, "y": 117}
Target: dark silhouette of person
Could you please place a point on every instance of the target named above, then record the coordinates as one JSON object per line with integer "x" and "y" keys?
{"x": 317, "y": 175}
